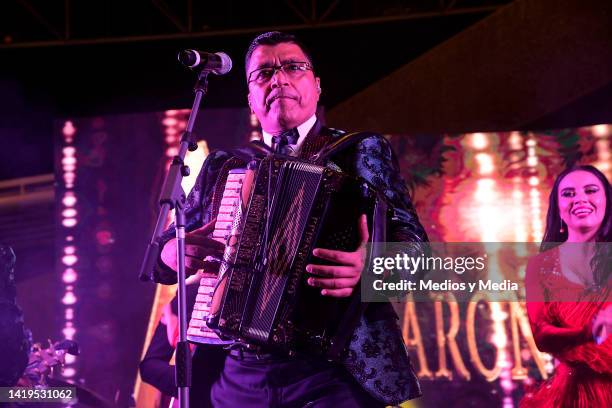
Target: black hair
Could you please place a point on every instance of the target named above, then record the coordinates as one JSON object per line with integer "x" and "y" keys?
{"x": 275, "y": 38}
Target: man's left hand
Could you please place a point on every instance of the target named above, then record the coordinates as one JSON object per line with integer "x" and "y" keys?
{"x": 340, "y": 280}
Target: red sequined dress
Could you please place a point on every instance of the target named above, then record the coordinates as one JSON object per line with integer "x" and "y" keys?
{"x": 561, "y": 314}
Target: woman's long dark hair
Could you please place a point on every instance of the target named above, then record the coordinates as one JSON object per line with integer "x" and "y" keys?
{"x": 602, "y": 260}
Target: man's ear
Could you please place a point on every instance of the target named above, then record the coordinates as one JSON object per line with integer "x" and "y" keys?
{"x": 249, "y": 102}
{"x": 318, "y": 80}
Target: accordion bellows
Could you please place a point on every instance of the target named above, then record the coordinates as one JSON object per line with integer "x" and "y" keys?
{"x": 271, "y": 218}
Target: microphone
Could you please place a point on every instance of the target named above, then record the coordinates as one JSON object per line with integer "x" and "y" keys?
{"x": 218, "y": 63}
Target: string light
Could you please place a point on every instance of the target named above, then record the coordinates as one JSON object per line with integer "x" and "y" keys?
{"x": 479, "y": 141}
{"x": 69, "y": 220}
{"x": 535, "y": 197}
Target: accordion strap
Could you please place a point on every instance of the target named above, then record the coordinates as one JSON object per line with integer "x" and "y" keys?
{"x": 259, "y": 148}
{"x": 338, "y": 145}
{"x": 357, "y": 307}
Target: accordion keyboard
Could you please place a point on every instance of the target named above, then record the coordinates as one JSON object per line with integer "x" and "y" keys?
{"x": 198, "y": 331}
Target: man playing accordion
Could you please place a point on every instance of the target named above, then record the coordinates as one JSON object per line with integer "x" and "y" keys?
{"x": 374, "y": 368}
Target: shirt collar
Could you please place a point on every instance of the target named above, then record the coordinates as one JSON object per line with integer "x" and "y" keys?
{"x": 303, "y": 130}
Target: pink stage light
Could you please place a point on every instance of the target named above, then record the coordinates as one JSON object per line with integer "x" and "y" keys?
{"x": 69, "y": 199}
{"x": 602, "y": 130}
{"x": 168, "y": 121}
{"x": 479, "y": 141}
{"x": 485, "y": 163}
{"x": 69, "y": 276}
{"x": 69, "y": 298}
{"x": 515, "y": 141}
{"x": 66, "y": 161}
{"x": 532, "y": 161}
{"x": 171, "y": 131}
{"x": 69, "y": 178}
{"x": 485, "y": 191}
{"x": 69, "y": 213}
{"x": 69, "y": 331}
{"x": 171, "y": 139}
{"x": 69, "y": 260}
{"x": 69, "y": 222}
{"x": 68, "y": 131}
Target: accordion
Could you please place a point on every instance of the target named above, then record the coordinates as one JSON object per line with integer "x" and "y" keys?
{"x": 284, "y": 209}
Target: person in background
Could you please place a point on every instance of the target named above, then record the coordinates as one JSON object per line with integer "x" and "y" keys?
{"x": 155, "y": 367}
{"x": 14, "y": 338}
{"x": 568, "y": 288}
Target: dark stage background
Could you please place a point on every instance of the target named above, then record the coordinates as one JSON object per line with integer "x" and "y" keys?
{"x": 92, "y": 100}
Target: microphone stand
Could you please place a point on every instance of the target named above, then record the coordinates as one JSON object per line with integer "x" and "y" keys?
{"x": 173, "y": 197}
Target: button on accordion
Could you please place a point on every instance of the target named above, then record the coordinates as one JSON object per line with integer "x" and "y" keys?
{"x": 271, "y": 216}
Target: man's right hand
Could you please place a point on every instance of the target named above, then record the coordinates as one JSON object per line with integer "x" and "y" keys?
{"x": 198, "y": 245}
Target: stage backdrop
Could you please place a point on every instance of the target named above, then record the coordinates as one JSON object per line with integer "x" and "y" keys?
{"x": 109, "y": 171}
{"x": 480, "y": 187}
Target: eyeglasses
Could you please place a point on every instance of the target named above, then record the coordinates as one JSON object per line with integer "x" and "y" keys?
{"x": 291, "y": 69}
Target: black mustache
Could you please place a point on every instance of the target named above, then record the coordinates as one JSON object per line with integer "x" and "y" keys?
{"x": 274, "y": 97}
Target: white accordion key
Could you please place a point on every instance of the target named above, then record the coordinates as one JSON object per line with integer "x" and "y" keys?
{"x": 203, "y": 299}
{"x": 226, "y": 209}
{"x": 229, "y": 201}
{"x": 223, "y": 225}
{"x": 227, "y": 217}
{"x": 221, "y": 235}
{"x": 198, "y": 314}
{"x": 201, "y": 306}
{"x": 197, "y": 323}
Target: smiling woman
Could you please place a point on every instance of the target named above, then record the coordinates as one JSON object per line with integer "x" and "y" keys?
{"x": 580, "y": 210}
{"x": 568, "y": 292}
{"x": 582, "y": 204}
